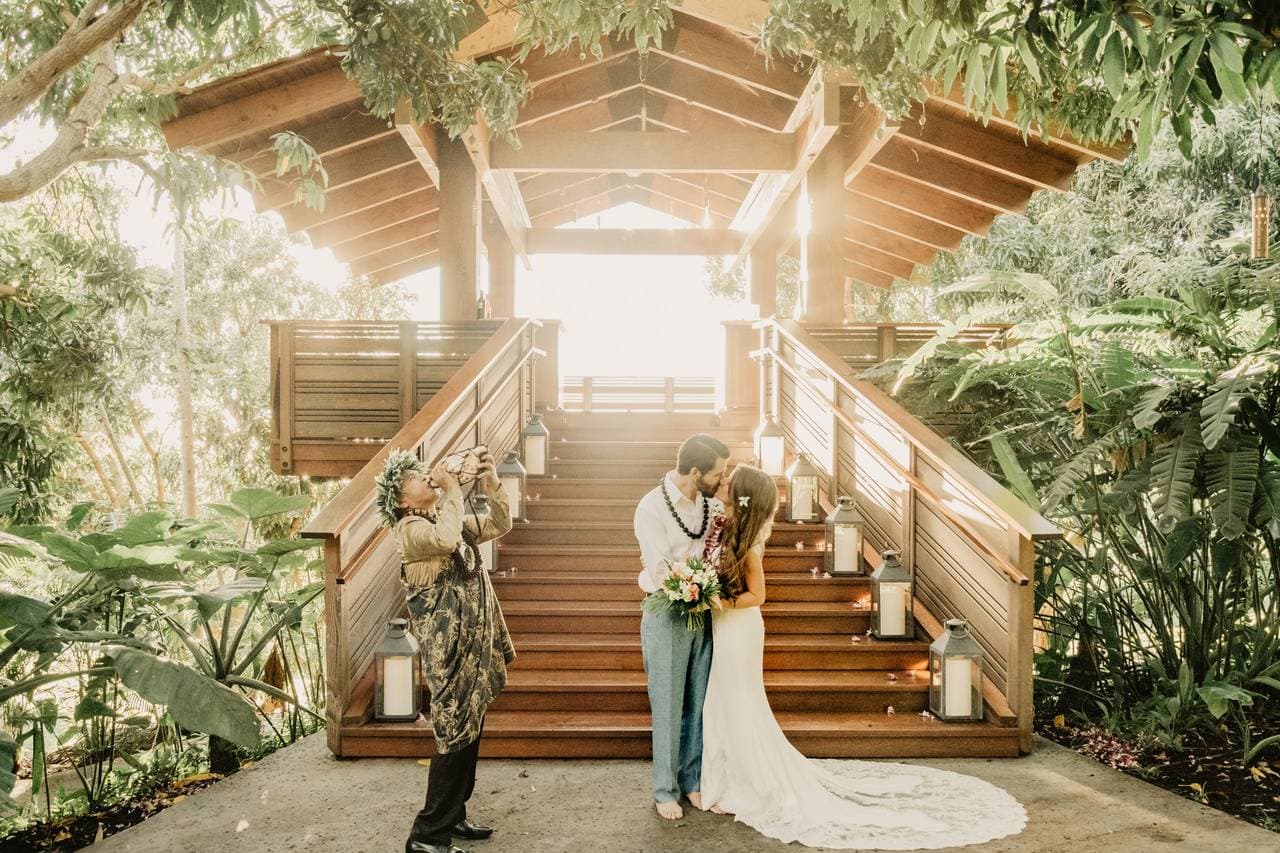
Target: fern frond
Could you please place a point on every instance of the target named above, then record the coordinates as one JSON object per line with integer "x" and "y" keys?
{"x": 1232, "y": 478}
{"x": 1173, "y": 473}
{"x": 1218, "y": 411}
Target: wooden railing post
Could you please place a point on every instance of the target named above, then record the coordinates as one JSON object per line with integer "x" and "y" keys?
{"x": 586, "y": 393}
{"x": 887, "y": 343}
{"x": 1021, "y": 610}
{"x": 286, "y": 397}
{"x": 546, "y": 370}
{"x": 408, "y": 371}
{"x": 337, "y": 680}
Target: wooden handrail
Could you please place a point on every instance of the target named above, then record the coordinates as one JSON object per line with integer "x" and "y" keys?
{"x": 996, "y": 498}
{"x": 338, "y": 513}
{"x": 922, "y": 489}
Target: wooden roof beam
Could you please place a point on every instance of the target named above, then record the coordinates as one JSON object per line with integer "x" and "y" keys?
{"x": 371, "y": 220}
{"x": 352, "y": 166}
{"x": 371, "y": 264}
{"x": 329, "y": 137}
{"x": 867, "y": 275}
{"x": 349, "y": 200}
{"x": 500, "y": 187}
{"x": 813, "y": 124}
{"x": 903, "y": 159}
{"x": 906, "y": 248}
{"x": 731, "y": 56}
{"x": 713, "y": 93}
{"x": 736, "y": 151}
{"x": 581, "y": 88}
{"x": 1029, "y": 162}
{"x": 870, "y": 256}
{"x": 864, "y": 210}
{"x": 385, "y": 238}
{"x": 1114, "y": 152}
{"x": 642, "y": 241}
{"x": 407, "y": 268}
{"x": 422, "y": 141}
{"x": 272, "y": 108}
{"x": 924, "y": 201}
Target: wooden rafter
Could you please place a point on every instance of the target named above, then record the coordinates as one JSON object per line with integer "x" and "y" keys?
{"x": 351, "y": 166}
{"x": 330, "y": 137}
{"x": 274, "y": 107}
{"x": 418, "y": 247}
{"x": 618, "y": 241}
{"x": 742, "y": 150}
{"x": 812, "y": 124}
{"x": 905, "y": 248}
{"x": 422, "y": 141}
{"x": 729, "y": 55}
{"x": 903, "y": 159}
{"x": 352, "y": 199}
{"x": 862, "y": 209}
{"x": 875, "y": 258}
{"x": 924, "y": 201}
{"x": 385, "y": 238}
{"x": 501, "y": 188}
{"x": 713, "y": 93}
{"x": 371, "y": 220}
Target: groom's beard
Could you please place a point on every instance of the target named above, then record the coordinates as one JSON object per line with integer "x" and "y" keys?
{"x": 708, "y": 491}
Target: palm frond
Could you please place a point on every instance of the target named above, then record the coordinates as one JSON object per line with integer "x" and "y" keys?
{"x": 1173, "y": 473}
{"x": 1232, "y": 477}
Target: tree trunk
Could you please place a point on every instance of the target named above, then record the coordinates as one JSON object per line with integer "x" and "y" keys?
{"x": 85, "y": 35}
{"x": 121, "y": 460}
{"x": 186, "y": 417}
{"x": 112, "y": 497}
{"x": 152, "y": 453}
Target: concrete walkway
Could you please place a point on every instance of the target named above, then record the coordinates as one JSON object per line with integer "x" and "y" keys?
{"x": 303, "y": 799}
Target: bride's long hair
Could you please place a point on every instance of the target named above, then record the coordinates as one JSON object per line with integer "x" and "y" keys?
{"x": 753, "y": 500}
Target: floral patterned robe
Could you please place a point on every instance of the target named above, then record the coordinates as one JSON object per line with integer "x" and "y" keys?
{"x": 455, "y": 615}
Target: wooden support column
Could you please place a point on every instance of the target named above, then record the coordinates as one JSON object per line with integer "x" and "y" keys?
{"x": 459, "y": 231}
{"x": 824, "y": 287}
{"x": 502, "y": 269}
{"x": 764, "y": 277}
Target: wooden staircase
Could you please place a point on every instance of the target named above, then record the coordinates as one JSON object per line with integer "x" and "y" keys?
{"x": 567, "y": 581}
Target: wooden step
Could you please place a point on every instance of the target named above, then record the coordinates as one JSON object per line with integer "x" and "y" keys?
{"x": 624, "y": 557}
{"x": 588, "y": 488}
{"x": 624, "y": 586}
{"x": 561, "y": 650}
{"x": 694, "y": 421}
{"x": 587, "y": 531}
{"x": 789, "y": 690}
{"x": 626, "y": 734}
{"x": 638, "y": 469}
{"x": 649, "y": 451}
{"x": 561, "y": 510}
{"x": 621, "y": 617}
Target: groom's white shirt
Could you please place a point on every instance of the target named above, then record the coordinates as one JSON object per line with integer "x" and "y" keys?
{"x": 661, "y": 539}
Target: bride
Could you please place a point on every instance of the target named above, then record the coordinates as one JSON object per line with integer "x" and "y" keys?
{"x": 751, "y": 770}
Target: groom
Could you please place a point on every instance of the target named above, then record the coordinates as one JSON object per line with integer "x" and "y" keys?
{"x": 671, "y": 524}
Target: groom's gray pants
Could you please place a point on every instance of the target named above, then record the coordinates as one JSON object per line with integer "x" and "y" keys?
{"x": 677, "y": 662}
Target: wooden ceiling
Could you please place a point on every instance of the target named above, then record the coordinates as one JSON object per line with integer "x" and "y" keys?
{"x": 701, "y": 127}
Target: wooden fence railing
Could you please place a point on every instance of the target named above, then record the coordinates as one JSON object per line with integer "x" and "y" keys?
{"x": 969, "y": 541}
{"x": 639, "y": 393}
{"x": 862, "y": 345}
{"x": 340, "y": 389}
{"x": 486, "y": 400}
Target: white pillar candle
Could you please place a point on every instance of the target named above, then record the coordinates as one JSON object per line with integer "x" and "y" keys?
{"x": 893, "y": 611}
{"x": 535, "y": 449}
{"x": 957, "y": 684}
{"x": 771, "y": 450}
{"x": 512, "y": 485}
{"x": 846, "y": 548}
{"x": 397, "y": 686}
{"x": 802, "y": 494}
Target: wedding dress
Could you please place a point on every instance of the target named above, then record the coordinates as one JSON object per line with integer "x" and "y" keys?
{"x": 752, "y": 771}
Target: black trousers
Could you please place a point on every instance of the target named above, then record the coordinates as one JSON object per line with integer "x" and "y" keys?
{"x": 450, "y": 783}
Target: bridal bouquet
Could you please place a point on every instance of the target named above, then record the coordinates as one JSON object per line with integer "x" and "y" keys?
{"x": 691, "y": 589}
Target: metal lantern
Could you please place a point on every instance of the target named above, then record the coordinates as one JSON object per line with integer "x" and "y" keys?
{"x": 891, "y": 617}
{"x": 955, "y": 674}
{"x": 1260, "y": 245}
{"x": 802, "y": 490}
{"x": 512, "y": 476}
{"x": 844, "y": 538}
{"x": 770, "y": 445}
{"x": 397, "y": 682}
{"x": 488, "y": 548}
{"x": 536, "y": 439}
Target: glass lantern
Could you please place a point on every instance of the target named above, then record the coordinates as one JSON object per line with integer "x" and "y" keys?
{"x": 770, "y": 445}
{"x": 891, "y": 616}
{"x": 397, "y": 681}
{"x": 536, "y": 440}
{"x": 802, "y": 490}
{"x": 512, "y": 476}
{"x": 955, "y": 674}
{"x": 844, "y": 538}
{"x": 488, "y": 548}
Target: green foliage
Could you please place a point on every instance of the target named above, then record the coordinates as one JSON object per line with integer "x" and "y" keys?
{"x": 132, "y": 612}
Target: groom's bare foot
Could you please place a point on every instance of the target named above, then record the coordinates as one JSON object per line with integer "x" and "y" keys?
{"x": 696, "y": 799}
{"x": 718, "y": 810}
{"x": 670, "y": 811}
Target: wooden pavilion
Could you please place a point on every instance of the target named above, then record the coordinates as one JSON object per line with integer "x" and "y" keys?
{"x": 762, "y": 159}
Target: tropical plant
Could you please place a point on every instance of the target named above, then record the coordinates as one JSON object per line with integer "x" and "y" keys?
{"x": 1146, "y": 428}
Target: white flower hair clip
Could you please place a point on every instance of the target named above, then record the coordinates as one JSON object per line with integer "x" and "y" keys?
{"x": 744, "y": 500}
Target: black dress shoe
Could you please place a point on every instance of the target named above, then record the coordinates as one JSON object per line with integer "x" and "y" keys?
{"x": 466, "y": 829}
{"x": 412, "y": 846}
